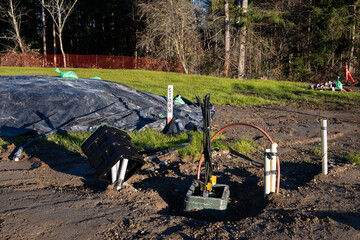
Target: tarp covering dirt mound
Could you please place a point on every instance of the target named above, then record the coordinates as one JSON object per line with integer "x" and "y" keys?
{"x": 52, "y": 104}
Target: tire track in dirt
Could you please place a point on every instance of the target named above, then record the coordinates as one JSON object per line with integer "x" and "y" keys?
{"x": 314, "y": 140}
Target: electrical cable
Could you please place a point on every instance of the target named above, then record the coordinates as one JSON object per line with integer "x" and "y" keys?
{"x": 173, "y": 149}
{"x": 169, "y": 150}
{"x": 160, "y": 163}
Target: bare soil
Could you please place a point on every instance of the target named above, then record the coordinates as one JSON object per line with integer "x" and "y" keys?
{"x": 53, "y": 193}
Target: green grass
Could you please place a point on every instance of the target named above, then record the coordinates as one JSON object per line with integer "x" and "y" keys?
{"x": 70, "y": 141}
{"x": 353, "y": 157}
{"x": 152, "y": 141}
{"x": 223, "y": 91}
{"x": 3, "y": 143}
{"x": 148, "y": 140}
{"x": 317, "y": 151}
{"x": 294, "y": 92}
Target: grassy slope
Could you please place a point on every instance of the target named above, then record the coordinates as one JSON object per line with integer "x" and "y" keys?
{"x": 223, "y": 91}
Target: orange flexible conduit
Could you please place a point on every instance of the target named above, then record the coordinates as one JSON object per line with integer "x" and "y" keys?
{"x": 253, "y": 126}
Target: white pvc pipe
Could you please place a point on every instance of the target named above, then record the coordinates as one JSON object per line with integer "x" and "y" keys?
{"x": 324, "y": 146}
{"x": 115, "y": 172}
{"x": 266, "y": 173}
{"x": 170, "y": 104}
{"x": 273, "y": 167}
{"x": 124, "y": 164}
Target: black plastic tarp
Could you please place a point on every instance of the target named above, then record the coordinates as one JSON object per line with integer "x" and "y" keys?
{"x": 52, "y": 104}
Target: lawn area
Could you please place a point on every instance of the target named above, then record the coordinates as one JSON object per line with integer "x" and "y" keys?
{"x": 223, "y": 91}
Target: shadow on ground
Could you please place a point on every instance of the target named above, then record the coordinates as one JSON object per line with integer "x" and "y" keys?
{"x": 59, "y": 159}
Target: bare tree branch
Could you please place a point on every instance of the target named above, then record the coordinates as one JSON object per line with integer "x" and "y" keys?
{"x": 59, "y": 11}
{"x": 12, "y": 13}
{"x": 171, "y": 32}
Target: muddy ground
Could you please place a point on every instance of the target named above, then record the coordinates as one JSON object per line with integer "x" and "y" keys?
{"x": 53, "y": 194}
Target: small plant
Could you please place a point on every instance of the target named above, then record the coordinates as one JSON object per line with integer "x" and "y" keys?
{"x": 317, "y": 151}
{"x": 353, "y": 157}
{"x": 308, "y": 160}
{"x": 3, "y": 143}
{"x": 244, "y": 146}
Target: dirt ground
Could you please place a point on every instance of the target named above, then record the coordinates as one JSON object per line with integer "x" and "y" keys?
{"x": 53, "y": 194}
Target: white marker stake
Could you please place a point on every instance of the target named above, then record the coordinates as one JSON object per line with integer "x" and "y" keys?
{"x": 266, "y": 173}
{"x": 324, "y": 146}
{"x": 170, "y": 104}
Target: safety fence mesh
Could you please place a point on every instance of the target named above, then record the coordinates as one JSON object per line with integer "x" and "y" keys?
{"x": 89, "y": 61}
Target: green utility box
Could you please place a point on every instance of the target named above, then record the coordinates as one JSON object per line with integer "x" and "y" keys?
{"x": 216, "y": 200}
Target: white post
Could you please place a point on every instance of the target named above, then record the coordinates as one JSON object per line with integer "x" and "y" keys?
{"x": 124, "y": 164}
{"x": 324, "y": 146}
{"x": 266, "y": 173}
{"x": 118, "y": 173}
{"x": 170, "y": 104}
{"x": 115, "y": 172}
{"x": 273, "y": 167}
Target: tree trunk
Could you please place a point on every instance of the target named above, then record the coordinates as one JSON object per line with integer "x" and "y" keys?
{"x": 62, "y": 49}
{"x": 59, "y": 11}
{"x": 352, "y": 39}
{"x": 44, "y": 31}
{"x": 181, "y": 57}
{"x": 15, "y": 25}
{"x": 242, "y": 40}
{"x": 227, "y": 39}
{"x": 309, "y": 41}
{"x": 60, "y": 30}
{"x": 54, "y": 45}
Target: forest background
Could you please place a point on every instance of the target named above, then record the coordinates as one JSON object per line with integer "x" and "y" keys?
{"x": 299, "y": 40}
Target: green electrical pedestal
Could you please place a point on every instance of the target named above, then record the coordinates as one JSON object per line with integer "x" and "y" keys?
{"x": 208, "y": 197}
{"x": 214, "y": 203}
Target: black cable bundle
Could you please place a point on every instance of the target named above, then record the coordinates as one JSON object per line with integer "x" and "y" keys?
{"x": 205, "y": 108}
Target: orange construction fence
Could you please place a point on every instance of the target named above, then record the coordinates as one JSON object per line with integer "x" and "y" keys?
{"x": 89, "y": 61}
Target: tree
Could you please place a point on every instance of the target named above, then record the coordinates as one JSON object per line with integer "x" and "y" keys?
{"x": 103, "y": 27}
{"x": 331, "y": 25}
{"x": 242, "y": 42}
{"x": 59, "y": 11}
{"x": 43, "y": 31}
{"x": 224, "y": 9}
{"x": 12, "y": 12}
{"x": 353, "y": 31}
{"x": 170, "y": 32}
{"x": 227, "y": 38}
